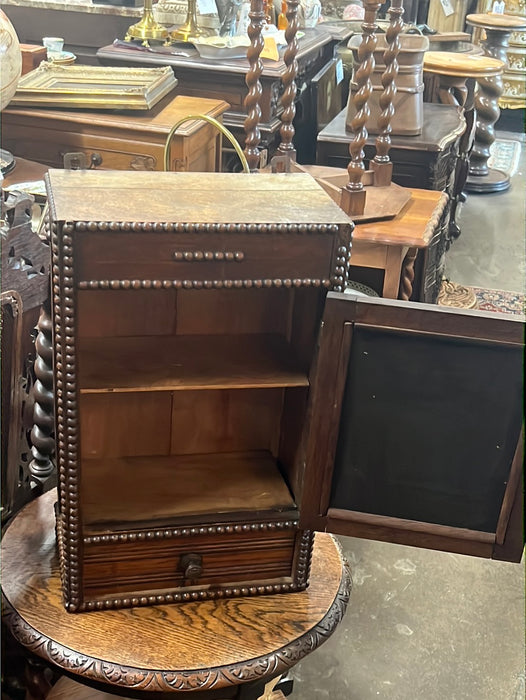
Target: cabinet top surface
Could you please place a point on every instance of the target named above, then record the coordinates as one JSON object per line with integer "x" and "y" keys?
{"x": 313, "y": 40}
{"x": 442, "y": 125}
{"x": 189, "y": 197}
{"x": 159, "y": 118}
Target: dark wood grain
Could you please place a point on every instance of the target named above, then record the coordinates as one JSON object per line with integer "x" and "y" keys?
{"x": 204, "y": 645}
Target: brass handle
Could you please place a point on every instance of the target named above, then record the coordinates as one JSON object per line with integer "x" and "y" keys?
{"x": 192, "y": 565}
{"x": 207, "y": 255}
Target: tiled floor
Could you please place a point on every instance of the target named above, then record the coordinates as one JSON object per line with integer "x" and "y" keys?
{"x": 424, "y": 625}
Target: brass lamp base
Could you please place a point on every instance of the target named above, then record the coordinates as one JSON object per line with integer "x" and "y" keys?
{"x": 147, "y": 29}
{"x": 188, "y": 31}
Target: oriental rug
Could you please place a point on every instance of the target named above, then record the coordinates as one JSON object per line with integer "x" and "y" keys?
{"x": 458, "y": 296}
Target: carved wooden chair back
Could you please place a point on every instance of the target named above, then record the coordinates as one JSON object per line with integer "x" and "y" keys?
{"x": 25, "y": 269}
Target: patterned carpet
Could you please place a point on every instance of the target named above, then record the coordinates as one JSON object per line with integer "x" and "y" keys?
{"x": 457, "y": 296}
{"x": 499, "y": 300}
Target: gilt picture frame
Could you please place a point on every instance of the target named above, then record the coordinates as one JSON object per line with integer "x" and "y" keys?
{"x": 94, "y": 87}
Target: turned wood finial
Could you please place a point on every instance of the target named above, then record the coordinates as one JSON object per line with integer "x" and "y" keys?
{"x": 381, "y": 164}
{"x": 288, "y": 98}
{"x": 252, "y": 106}
{"x": 353, "y": 194}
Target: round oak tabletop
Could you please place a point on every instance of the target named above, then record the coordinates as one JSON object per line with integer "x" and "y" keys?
{"x": 497, "y": 22}
{"x": 197, "y": 646}
{"x": 462, "y": 65}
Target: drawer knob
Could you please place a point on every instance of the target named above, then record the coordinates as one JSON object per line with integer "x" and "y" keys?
{"x": 202, "y": 255}
{"x": 192, "y": 565}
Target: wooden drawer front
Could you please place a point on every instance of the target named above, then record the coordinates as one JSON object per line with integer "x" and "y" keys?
{"x": 196, "y": 152}
{"x": 202, "y": 257}
{"x": 49, "y": 146}
{"x": 159, "y": 564}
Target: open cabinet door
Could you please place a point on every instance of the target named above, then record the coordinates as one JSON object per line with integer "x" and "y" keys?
{"x": 415, "y": 431}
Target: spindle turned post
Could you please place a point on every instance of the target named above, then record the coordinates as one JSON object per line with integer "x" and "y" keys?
{"x": 42, "y": 433}
{"x": 353, "y": 194}
{"x": 498, "y": 28}
{"x": 288, "y": 98}
{"x": 382, "y": 165}
{"x": 253, "y": 97}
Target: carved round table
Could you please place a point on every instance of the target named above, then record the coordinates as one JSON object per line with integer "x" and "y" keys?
{"x": 215, "y": 649}
{"x": 498, "y": 29}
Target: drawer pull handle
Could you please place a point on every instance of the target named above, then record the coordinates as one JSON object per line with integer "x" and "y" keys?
{"x": 206, "y": 255}
{"x": 192, "y": 565}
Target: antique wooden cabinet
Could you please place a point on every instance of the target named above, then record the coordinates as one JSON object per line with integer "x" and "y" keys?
{"x": 214, "y": 406}
{"x": 186, "y": 310}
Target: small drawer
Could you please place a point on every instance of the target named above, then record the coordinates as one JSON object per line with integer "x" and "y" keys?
{"x": 219, "y": 559}
{"x": 202, "y": 259}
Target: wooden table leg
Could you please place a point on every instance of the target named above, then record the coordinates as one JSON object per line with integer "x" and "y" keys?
{"x": 393, "y": 268}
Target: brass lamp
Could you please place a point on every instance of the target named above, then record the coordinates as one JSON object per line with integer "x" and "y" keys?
{"x": 147, "y": 28}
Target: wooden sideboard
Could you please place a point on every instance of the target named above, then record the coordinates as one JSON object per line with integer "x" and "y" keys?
{"x": 120, "y": 140}
{"x": 225, "y": 79}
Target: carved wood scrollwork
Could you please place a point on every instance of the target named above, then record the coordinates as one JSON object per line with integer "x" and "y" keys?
{"x": 180, "y": 680}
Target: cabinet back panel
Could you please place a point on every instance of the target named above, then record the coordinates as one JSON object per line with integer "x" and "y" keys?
{"x": 421, "y": 436}
{"x": 225, "y": 421}
{"x": 125, "y": 425}
{"x": 121, "y": 313}
{"x": 218, "y": 311}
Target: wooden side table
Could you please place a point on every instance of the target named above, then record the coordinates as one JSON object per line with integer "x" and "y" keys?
{"x": 498, "y": 29}
{"x": 209, "y": 650}
{"x": 392, "y": 246}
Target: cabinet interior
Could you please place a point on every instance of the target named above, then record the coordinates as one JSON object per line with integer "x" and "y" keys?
{"x": 192, "y": 403}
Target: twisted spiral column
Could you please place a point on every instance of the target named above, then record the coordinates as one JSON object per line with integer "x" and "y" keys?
{"x": 498, "y": 28}
{"x": 286, "y": 147}
{"x": 487, "y": 110}
{"x": 253, "y": 98}
{"x": 381, "y": 163}
{"x": 42, "y": 433}
{"x": 353, "y": 194}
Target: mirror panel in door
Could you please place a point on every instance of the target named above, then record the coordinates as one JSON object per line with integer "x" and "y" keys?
{"x": 424, "y": 433}
{"x": 426, "y": 413}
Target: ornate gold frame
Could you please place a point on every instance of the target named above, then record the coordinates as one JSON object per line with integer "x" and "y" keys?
{"x": 93, "y": 87}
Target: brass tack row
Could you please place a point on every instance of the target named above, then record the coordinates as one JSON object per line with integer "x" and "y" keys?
{"x": 205, "y": 255}
{"x": 205, "y": 284}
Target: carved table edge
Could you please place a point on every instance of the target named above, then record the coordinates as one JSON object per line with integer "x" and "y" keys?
{"x": 268, "y": 665}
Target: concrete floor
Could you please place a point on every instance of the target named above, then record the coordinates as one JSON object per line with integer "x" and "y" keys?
{"x": 425, "y": 625}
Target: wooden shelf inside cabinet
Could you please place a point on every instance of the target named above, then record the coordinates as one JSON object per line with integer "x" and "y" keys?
{"x": 168, "y": 363}
{"x": 163, "y": 488}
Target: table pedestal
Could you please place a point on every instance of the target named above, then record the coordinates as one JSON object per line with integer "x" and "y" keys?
{"x": 456, "y": 73}
{"x": 498, "y": 28}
